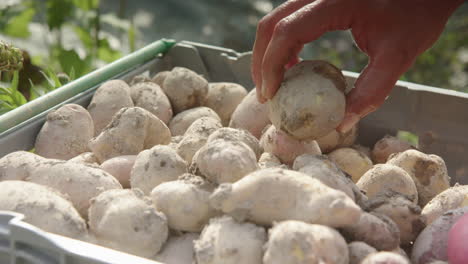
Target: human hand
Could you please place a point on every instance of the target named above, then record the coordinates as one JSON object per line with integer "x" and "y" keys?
{"x": 391, "y": 32}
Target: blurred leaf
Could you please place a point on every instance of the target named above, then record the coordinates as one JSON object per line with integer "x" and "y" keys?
{"x": 132, "y": 37}
{"x": 53, "y": 76}
{"x": 18, "y": 25}
{"x": 106, "y": 52}
{"x": 72, "y": 74}
{"x": 114, "y": 21}
{"x": 86, "y": 4}
{"x": 58, "y": 11}
{"x": 69, "y": 59}
{"x": 408, "y": 137}
{"x": 84, "y": 36}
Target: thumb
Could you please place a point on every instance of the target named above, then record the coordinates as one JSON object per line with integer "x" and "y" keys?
{"x": 372, "y": 87}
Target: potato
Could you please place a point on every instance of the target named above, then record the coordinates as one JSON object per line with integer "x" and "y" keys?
{"x": 18, "y": 165}
{"x": 321, "y": 168}
{"x": 301, "y": 243}
{"x": 159, "y": 78}
{"x": 131, "y": 130}
{"x": 387, "y": 146}
{"x": 79, "y": 181}
{"x": 120, "y": 167}
{"x": 155, "y": 166}
{"x": 403, "y": 212}
{"x": 178, "y": 249}
{"x": 223, "y": 98}
{"x": 351, "y": 161}
{"x": 334, "y": 140}
{"x": 363, "y": 149}
{"x": 224, "y": 161}
{"x": 250, "y": 115}
{"x": 457, "y": 248}
{"x": 358, "y": 251}
{"x": 226, "y": 241}
{"x": 126, "y": 220}
{"x": 184, "y": 88}
{"x": 151, "y": 97}
{"x": 42, "y": 207}
{"x": 85, "y": 158}
{"x": 108, "y": 99}
{"x": 452, "y": 198}
{"x": 268, "y": 160}
{"x": 139, "y": 79}
{"x": 269, "y": 195}
{"x": 429, "y": 173}
{"x": 376, "y": 230}
{"x": 182, "y": 121}
{"x": 431, "y": 243}
{"x": 385, "y": 257}
{"x": 233, "y": 134}
{"x": 185, "y": 202}
{"x": 386, "y": 177}
{"x": 196, "y": 137}
{"x": 310, "y": 102}
{"x": 66, "y": 133}
{"x": 285, "y": 147}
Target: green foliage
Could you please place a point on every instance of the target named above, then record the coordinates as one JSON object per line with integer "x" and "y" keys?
{"x": 85, "y": 20}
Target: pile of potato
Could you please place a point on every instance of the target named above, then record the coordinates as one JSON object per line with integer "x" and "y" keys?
{"x": 180, "y": 170}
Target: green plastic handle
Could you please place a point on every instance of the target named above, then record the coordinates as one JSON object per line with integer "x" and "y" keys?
{"x": 49, "y": 100}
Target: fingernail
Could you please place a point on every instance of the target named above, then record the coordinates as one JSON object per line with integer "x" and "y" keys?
{"x": 348, "y": 122}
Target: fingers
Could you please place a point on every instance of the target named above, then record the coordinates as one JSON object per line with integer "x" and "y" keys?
{"x": 295, "y": 30}
{"x": 372, "y": 87}
{"x": 265, "y": 30}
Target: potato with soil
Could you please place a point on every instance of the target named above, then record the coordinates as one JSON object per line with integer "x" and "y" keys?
{"x": 376, "y": 230}
{"x": 358, "y": 251}
{"x": 182, "y": 121}
{"x": 386, "y": 177}
{"x": 79, "y": 181}
{"x": 126, "y": 220}
{"x": 335, "y": 139}
{"x": 18, "y": 165}
{"x": 431, "y": 243}
{"x": 132, "y": 130}
{"x": 86, "y": 158}
{"x": 66, "y": 133}
{"x": 285, "y": 147}
{"x": 310, "y": 102}
{"x": 301, "y": 243}
{"x": 184, "y": 88}
{"x": 268, "y": 160}
{"x": 42, "y": 207}
{"x": 120, "y": 167}
{"x": 403, "y": 212}
{"x": 227, "y": 241}
{"x": 159, "y": 78}
{"x": 351, "y": 161}
{"x": 429, "y": 173}
{"x": 321, "y": 168}
{"x": 270, "y": 195}
{"x": 452, "y": 198}
{"x": 233, "y": 134}
{"x": 196, "y": 137}
{"x": 151, "y": 97}
{"x": 250, "y": 115}
{"x": 223, "y": 98}
{"x": 385, "y": 257}
{"x": 387, "y": 146}
{"x": 185, "y": 202}
{"x": 108, "y": 99}
{"x": 222, "y": 161}
{"x": 155, "y": 166}
{"x": 178, "y": 249}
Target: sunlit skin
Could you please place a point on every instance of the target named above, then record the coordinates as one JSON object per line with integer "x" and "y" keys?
{"x": 393, "y": 33}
